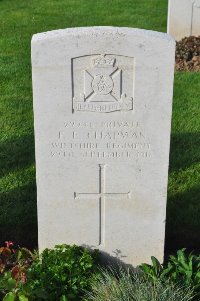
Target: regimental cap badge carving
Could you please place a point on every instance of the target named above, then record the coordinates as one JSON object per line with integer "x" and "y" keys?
{"x": 103, "y": 62}
{"x": 106, "y": 81}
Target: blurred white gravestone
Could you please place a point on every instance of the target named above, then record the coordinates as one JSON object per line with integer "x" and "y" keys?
{"x": 102, "y": 106}
{"x": 183, "y": 18}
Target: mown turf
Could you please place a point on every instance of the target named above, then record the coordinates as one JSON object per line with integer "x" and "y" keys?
{"x": 183, "y": 210}
{"x": 18, "y": 21}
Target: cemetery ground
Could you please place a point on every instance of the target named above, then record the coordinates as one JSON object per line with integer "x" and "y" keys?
{"x": 18, "y": 22}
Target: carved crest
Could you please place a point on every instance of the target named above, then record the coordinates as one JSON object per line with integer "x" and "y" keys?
{"x": 102, "y": 83}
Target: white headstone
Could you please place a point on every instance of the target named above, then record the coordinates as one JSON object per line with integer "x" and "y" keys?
{"x": 183, "y": 18}
{"x": 102, "y": 105}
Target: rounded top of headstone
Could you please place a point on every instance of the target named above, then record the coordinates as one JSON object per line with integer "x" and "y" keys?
{"x": 102, "y": 31}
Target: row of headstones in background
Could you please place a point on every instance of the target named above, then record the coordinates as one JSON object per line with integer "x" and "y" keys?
{"x": 183, "y": 18}
{"x": 102, "y": 106}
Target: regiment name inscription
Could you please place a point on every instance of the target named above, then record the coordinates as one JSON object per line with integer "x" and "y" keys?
{"x": 113, "y": 140}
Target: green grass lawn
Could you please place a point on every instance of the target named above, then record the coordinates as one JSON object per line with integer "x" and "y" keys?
{"x": 19, "y": 20}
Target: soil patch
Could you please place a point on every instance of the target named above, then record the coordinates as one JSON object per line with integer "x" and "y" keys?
{"x": 188, "y": 54}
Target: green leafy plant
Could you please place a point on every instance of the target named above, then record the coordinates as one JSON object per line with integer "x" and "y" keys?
{"x": 62, "y": 273}
{"x": 185, "y": 268}
{"x": 155, "y": 271}
{"x": 13, "y": 286}
{"x": 181, "y": 268}
{"x": 11, "y": 256}
{"x": 14, "y": 263}
{"x": 124, "y": 285}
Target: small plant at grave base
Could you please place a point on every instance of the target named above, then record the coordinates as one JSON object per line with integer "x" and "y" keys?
{"x": 62, "y": 273}
{"x": 124, "y": 285}
{"x": 14, "y": 262}
{"x": 181, "y": 268}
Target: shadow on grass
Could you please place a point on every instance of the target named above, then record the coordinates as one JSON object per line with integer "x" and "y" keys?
{"x": 18, "y": 216}
{"x": 16, "y": 154}
{"x": 183, "y": 221}
{"x": 183, "y": 208}
{"x": 185, "y": 150}
{"x": 18, "y": 219}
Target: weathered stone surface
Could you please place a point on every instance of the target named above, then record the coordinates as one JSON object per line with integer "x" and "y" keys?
{"x": 183, "y": 18}
{"x": 102, "y": 106}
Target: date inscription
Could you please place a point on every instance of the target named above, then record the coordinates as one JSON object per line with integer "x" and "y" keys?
{"x": 104, "y": 140}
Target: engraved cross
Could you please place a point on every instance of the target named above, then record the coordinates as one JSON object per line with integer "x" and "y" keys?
{"x": 101, "y": 196}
